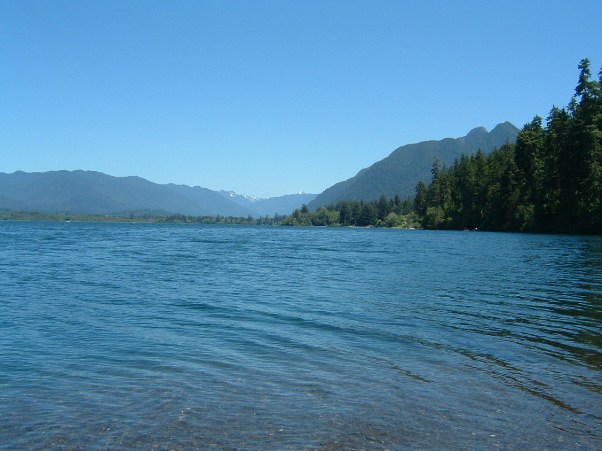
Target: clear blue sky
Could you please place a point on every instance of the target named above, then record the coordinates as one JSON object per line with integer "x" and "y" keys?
{"x": 273, "y": 97}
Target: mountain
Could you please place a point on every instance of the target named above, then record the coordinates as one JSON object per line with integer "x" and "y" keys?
{"x": 211, "y": 201}
{"x": 89, "y": 192}
{"x": 271, "y": 206}
{"x": 406, "y": 166}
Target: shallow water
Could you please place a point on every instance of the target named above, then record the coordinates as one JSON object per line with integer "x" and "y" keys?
{"x": 165, "y": 336}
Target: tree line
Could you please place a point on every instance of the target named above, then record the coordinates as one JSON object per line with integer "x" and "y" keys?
{"x": 385, "y": 212}
{"x": 550, "y": 181}
{"x": 144, "y": 217}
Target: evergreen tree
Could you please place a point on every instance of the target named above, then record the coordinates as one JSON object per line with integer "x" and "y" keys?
{"x": 421, "y": 201}
{"x": 550, "y": 181}
{"x": 383, "y": 207}
{"x": 356, "y": 209}
{"x": 397, "y": 205}
{"x": 557, "y": 180}
{"x": 368, "y": 215}
{"x": 345, "y": 213}
{"x": 586, "y": 138}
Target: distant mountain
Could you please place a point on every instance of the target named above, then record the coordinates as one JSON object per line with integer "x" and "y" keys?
{"x": 211, "y": 201}
{"x": 406, "y": 166}
{"x": 89, "y": 192}
{"x": 282, "y": 205}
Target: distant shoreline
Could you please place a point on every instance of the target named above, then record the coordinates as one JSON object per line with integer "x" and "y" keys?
{"x": 145, "y": 219}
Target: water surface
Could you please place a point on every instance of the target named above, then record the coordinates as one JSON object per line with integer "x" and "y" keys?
{"x": 167, "y": 336}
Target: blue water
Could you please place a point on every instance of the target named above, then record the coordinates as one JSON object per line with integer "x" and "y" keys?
{"x": 215, "y": 337}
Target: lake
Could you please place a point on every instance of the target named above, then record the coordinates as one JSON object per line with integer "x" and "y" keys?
{"x": 230, "y": 337}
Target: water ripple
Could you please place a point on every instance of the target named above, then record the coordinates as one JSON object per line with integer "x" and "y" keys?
{"x": 141, "y": 336}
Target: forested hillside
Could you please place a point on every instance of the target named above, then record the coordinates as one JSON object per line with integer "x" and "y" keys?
{"x": 95, "y": 193}
{"x": 90, "y": 192}
{"x": 398, "y": 173}
{"x": 549, "y": 181}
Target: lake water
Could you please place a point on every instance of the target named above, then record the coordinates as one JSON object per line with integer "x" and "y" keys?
{"x": 215, "y": 337}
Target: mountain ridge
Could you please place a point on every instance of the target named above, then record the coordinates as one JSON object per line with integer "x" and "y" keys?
{"x": 398, "y": 173}
{"x": 92, "y": 192}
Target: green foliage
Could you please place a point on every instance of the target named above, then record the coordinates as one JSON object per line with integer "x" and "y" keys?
{"x": 382, "y": 213}
{"x": 393, "y": 220}
{"x": 420, "y": 202}
{"x": 368, "y": 215}
{"x": 549, "y": 181}
{"x": 434, "y": 218}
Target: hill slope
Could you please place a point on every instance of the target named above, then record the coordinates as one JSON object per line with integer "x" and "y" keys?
{"x": 89, "y": 192}
{"x": 406, "y": 166}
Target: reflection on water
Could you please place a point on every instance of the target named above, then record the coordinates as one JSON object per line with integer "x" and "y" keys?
{"x": 147, "y": 336}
